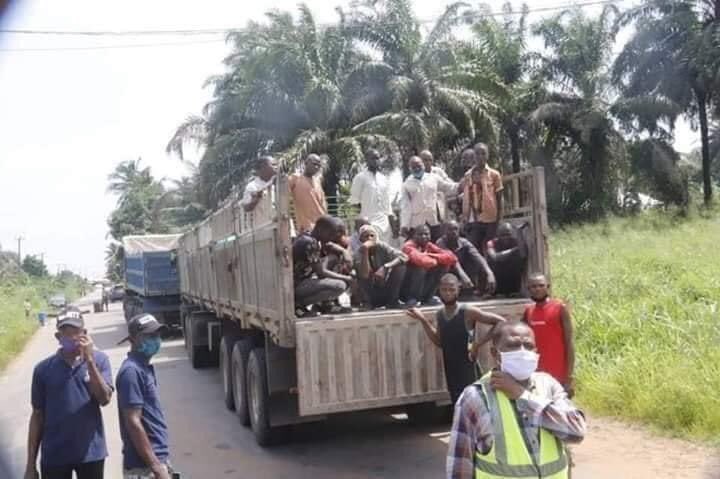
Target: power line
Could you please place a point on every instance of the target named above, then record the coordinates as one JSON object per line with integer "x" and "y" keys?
{"x": 111, "y": 47}
{"x": 217, "y": 31}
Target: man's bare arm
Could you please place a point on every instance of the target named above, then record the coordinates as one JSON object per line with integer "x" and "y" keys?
{"x": 133, "y": 422}
{"x": 430, "y": 329}
{"x": 569, "y": 340}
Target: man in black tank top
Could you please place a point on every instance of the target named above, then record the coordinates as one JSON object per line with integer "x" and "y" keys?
{"x": 454, "y": 326}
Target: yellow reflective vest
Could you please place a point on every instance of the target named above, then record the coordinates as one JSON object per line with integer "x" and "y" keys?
{"x": 509, "y": 456}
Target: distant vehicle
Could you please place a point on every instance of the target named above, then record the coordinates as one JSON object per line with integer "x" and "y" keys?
{"x": 117, "y": 293}
{"x": 151, "y": 278}
{"x": 57, "y": 301}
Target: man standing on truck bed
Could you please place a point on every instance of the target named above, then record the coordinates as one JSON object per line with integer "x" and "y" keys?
{"x": 455, "y": 323}
{"x": 314, "y": 283}
{"x": 265, "y": 170}
{"x": 307, "y": 194}
{"x": 371, "y": 190}
{"x": 482, "y": 197}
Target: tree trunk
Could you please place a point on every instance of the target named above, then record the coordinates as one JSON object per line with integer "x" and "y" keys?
{"x": 514, "y": 148}
{"x": 705, "y": 143}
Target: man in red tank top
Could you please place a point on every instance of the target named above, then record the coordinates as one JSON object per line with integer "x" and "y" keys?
{"x": 550, "y": 321}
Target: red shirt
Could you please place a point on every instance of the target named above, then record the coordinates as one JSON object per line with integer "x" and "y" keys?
{"x": 420, "y": 258}
{"x": 545, "y": 319}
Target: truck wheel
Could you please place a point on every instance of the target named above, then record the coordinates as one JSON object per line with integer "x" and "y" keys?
{"x": 200, "y": 355}
{"x": 185, "y": 333}
{"x": 240, "y": 357}
{"x": 259, "y": 400}
{"x": 226, "y": 348}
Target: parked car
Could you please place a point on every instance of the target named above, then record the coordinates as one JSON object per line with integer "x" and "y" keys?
{"x": 117, "y": 293}
{"x": 58, "y": 301}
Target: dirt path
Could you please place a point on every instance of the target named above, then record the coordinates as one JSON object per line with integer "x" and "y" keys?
{"x": 207, "y": 441}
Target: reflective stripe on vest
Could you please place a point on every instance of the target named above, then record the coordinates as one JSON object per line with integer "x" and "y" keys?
{"x": 509, "y": 456}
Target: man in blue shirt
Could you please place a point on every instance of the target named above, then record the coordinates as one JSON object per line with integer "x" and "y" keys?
{"x": 142, "y": 423}
{"x": 68, "y": 389}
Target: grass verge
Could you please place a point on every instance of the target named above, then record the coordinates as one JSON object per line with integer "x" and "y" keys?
{"x": 644, "y": 294}
{"x": 15, "y": 330}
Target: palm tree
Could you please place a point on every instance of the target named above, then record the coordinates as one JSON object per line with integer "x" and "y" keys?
{"x": 672, "y": 58}
{"x": 129, "y": 176}
{"x": 405, "y": 92}
{"x": 576, "y": 108}
{"x": 496, "y": 61}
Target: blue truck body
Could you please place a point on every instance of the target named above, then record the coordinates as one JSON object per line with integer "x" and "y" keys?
{"x": 152, "y": 284}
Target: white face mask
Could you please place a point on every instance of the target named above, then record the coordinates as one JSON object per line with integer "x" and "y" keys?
{"x": 519, "y": 364}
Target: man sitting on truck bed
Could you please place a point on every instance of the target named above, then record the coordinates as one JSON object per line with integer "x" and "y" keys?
{"x": 265, "y": 170}
{"x": 507, "y": 256}
{"x": 315, "y": 284}
{"x": 381, "y": 270}
{"x": 427, "y": 262}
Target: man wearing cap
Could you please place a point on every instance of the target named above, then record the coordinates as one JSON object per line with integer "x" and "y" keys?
{"x": 68, "y": 389}
{"x": 142, "y": 423}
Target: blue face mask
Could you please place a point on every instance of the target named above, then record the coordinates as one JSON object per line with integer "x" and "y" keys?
{"x": 418, "y": 174}
{"x": 149, "y": 346}
{"x": 68, "y": 345}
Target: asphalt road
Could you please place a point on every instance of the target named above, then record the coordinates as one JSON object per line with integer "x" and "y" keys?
{"x": 207, "y": 440}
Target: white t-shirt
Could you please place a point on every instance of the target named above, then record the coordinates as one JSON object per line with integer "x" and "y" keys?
{"x": 262, "y": 210}
{"x": 372, "y": 192}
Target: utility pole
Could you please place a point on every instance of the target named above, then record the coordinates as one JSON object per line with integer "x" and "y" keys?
{"x": 20, "y": 240}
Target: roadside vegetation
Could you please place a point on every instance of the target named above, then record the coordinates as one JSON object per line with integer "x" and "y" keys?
{"x": 645, "y": 292}
{"x": 18, "y": 285}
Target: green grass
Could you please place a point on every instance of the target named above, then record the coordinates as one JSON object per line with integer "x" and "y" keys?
{"x": 15, "y": 330}
{"x": 644, "y": 294}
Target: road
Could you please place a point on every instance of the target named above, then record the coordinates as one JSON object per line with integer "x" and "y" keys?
{"x": 207, "y": 441}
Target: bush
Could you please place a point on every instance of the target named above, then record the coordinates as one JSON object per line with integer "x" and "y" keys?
{"x": 644, "y": 294}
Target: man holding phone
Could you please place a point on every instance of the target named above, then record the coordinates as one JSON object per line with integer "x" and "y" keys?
{"x": 68, "y": 389}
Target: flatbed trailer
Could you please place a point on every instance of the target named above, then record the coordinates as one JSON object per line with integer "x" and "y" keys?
{"x": 236, "y": 282}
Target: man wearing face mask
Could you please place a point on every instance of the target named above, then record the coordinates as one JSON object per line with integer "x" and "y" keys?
{"x": 513, "y": 422}
{"x": 142, "y": 423}
{"x": 418, "y": 199}
{"x": 68, "y": 389}
{"x": 454, "y": 324}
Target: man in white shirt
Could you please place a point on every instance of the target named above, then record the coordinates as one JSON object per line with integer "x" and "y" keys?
{"x": 371, "y": 190}
{"x": 418, "y": 198}
{"x": 257, "y": 188}
{"x": 442, "y": 199}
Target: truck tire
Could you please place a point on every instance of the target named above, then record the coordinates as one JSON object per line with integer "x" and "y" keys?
{"x": 200, "y": 355}
{"x": 185, "y": 331}
{"x": 240, "y": 358}
{"x": 259, "y": 399}
{"x": 226, "y": 349}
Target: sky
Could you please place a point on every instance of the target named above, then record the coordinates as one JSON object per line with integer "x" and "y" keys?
{"x": 73, "y": 107}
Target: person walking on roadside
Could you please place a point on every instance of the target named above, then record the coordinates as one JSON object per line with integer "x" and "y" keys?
{"x": 371, "y": 190}
{"x": 418, "y": 199}
{"x": 514, "y": 421}
{"x": 68, "y": 389}
{"x": 143, "y": 428}
{"x": 28, "y": 308}
{"x": 307, "y": 195}
{"x": 482, "y": 197}
{"x": 550, "y": 320}
{"x": 455, "y": 324}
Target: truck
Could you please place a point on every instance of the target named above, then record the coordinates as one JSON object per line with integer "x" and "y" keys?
{"x": 151, "y": 278}
{"x": 236, "y": 284}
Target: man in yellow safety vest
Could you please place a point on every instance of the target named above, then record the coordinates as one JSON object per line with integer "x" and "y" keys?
{"x": 514, "y": 421}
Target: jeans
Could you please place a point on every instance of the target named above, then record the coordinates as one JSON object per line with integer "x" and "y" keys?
{"x": 317, "y": 290}
{"x": 386, "y": 293}
{"x": 86, "y": 470}
{"x": 421, "y": 284}
{"x": 480, "y": 233}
